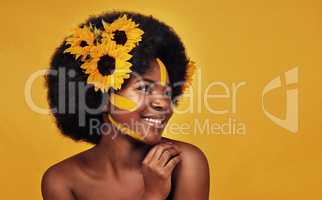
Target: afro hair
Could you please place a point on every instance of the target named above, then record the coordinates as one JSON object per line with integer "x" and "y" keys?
{"x": 158, "y": 41}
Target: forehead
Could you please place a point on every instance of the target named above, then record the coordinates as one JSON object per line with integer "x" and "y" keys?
{"x": 152, "y": 74}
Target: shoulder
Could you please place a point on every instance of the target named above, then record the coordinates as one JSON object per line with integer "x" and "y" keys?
{"x": 190, "y": 153}
{"x": 191, "y": 176}
{"x": 57, "y": 180}
{"x": 57, "y": 172}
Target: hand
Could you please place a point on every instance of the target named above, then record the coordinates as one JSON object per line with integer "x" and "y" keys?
{"x": 157, "y": 170}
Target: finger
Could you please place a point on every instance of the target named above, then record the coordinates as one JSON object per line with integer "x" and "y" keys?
{"x": 166, "y": 155}
{"x": 172, "y": 164}
{"x": 159, "y": 151}
{"x": 173, "y": 145}
{"x": 150, "y": 155}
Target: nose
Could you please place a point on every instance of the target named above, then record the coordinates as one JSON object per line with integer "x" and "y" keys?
{"x": 160, "y": 103}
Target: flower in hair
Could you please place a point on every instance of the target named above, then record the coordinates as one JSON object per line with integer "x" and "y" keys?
{"x": 105, "y": 53}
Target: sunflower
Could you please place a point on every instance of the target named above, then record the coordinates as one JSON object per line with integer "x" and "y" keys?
{"x": 105, "y": 53}
{"x": 191, "y": 67}
{"x": 107, "y": 67}
{"x": 81, "y": 42}
{"x": 124, "y": 32}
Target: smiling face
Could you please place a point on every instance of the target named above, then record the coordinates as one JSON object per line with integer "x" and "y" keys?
{"x": 144, "y": 105}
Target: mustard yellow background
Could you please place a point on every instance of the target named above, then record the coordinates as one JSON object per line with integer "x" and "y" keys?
{"x": 250, "y": 40}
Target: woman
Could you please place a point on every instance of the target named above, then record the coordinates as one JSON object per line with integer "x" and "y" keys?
{"x": 113, "y": 83}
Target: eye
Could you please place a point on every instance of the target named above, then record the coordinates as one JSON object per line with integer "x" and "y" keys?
{"x": 168, "y": 92}
{"x": 145, "y": 88}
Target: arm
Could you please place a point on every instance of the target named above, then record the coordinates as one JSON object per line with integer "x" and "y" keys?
{"x": 191, "y": 177}
{"x": 54, "y": 187}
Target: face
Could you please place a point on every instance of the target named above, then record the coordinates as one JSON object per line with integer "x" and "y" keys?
{"x": 149, "y": 97}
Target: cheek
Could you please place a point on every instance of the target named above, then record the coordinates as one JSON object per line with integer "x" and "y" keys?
{"x": 123, "y": 103}
{"x": 127, "y": 109}
{"x": 128, "y": 103}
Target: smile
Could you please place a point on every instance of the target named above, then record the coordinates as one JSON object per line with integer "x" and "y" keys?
{"x": 154, "y": 122}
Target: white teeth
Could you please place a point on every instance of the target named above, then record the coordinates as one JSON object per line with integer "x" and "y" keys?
{"x": 155, "y": 121}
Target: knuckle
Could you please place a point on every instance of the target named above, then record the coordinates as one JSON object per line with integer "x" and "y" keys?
{"x": 162, "y": 174}
{"x": 166, "y": 153}
{"x": 147, "y": 166}
{"x": 175, "y": 160}
{"x": 150, "y": 167}
{"x": 145, "y": 162}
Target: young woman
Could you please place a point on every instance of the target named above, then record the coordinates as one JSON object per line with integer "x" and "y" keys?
{"x": 113, "y": 82}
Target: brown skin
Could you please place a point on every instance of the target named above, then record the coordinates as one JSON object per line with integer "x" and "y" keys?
{"x": 123, "y": 168}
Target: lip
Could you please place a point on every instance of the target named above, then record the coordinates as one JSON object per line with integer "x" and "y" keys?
{"x": 155, "y": 121}
{"x": 159, "y": 117}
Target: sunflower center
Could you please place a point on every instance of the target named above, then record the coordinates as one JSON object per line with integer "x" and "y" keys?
{"x": 83, "y": 43}
{"x": 106, "y": 65}
{"x": 120, "y": 37}
{"x": 98, "y": 39}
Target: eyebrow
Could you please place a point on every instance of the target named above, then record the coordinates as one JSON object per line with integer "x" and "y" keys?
{"x": 150, "y": 81}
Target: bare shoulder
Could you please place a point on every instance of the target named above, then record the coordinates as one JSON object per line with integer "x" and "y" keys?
{"x": 190, "y": 152}
{"x": 191, "y": 176}
{"x": 57, "y": 180}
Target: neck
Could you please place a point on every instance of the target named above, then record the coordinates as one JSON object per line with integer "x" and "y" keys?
{"x": 120, "y": 153}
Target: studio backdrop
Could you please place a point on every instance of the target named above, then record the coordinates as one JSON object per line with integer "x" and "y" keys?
{"x": 253, "y": 109}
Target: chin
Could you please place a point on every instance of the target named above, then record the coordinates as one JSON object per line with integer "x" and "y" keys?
{"x": 153, "y": 138}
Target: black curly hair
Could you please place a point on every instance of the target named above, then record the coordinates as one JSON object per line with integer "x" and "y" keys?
{"x": 158, "y": 41}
